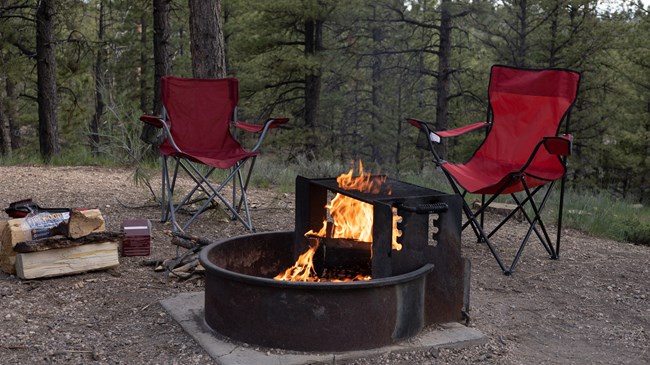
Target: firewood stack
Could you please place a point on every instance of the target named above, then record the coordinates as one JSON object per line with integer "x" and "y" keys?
{"x": 186, "y": 264}
{"x": 53, "y": 244}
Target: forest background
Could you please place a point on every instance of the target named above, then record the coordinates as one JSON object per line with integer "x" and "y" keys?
{"x": 75, "y": 75}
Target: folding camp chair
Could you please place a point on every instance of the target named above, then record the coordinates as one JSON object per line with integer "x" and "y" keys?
{"x": 522, "y": 151}
{"x": 196, "y": 119}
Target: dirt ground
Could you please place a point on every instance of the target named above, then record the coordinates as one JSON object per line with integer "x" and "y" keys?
{"x": 590, "y": 307}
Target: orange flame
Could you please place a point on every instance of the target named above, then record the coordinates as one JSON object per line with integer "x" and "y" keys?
{"x": 303, "y": 269}
{"x": 352, "y": 219}
{"x": 365, "y": 183}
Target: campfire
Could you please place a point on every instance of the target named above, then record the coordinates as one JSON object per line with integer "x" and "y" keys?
{"x": 405, "y": 237}
{"x": 350, "y": 220}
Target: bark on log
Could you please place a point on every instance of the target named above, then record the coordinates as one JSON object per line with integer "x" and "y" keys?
{"x": 50, "y": 243}
{"x": 195, "y": 240}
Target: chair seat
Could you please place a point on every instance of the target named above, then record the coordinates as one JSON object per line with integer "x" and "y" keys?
{"x": 221, "y": 159}
{"x": 484, "y": 176}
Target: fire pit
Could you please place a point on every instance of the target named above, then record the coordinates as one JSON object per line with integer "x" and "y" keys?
{"x": 425, "y": 281}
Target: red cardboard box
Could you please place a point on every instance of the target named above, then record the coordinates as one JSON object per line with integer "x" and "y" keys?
{"x": 137, "y": 240}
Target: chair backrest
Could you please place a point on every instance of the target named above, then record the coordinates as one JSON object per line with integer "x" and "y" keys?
{"x": 526, "y": 106}
{"x": 200, "y": 112}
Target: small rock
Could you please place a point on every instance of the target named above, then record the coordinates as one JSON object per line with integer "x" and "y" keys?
{"x": 96, "y": 355}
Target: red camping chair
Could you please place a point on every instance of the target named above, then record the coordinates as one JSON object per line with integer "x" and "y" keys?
{"x": 522, "y": 151}
{"x": 197, "y": 114}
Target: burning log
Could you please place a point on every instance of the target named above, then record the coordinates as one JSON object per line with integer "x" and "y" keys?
{"x": 331, "y": 259}
{"x": 333, "y": 254}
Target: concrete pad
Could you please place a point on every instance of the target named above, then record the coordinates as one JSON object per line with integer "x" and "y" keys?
{"x": 187, "y": 310}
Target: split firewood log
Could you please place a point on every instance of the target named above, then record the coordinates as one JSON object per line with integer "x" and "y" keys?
{"x": 18, "y": 230}
{"x": 68, "y": 260}
{"x": 81, "y": 223}
{"x": 55, "y": 242}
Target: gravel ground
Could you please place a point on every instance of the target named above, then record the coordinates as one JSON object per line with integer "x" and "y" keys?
{"x": 590, "y": 307}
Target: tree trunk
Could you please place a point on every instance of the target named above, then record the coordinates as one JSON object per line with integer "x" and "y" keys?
{"x": 5, "y": 131}
{"x": 313, "y": 45}
{"x": 554, "y": 33}
{"x": 206, "y": 39}
{"x": 48, "y": 131}
{"x": 143, "y": 63}
{"x": 10, "y": 113}
{"x": 444, "y": 72}
{"x": 5, "y": 136}
{"x": 99, "y": 84}
{"x": 377, "y": 37}
{"x": 160, "y": 48}
{"x": 521, "y": 51}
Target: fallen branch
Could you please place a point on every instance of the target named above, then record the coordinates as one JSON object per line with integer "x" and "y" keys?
{"x": 189, "y": 241}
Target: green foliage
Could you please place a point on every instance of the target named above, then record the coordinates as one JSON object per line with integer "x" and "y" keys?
{"x": 637, "y": 232}
{"x": 602, "y": 215}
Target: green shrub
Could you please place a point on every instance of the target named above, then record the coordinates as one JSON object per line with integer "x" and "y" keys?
{"x": 637, "y": 232}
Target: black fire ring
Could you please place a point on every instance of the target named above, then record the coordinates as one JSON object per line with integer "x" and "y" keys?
{"x": 245, "y": 303}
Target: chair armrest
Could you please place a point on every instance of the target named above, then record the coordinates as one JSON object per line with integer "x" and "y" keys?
{"x": 256, "y": 128}
{"x": 559, "y": 145}
{"x": 160, "y": 122}
{"x": 153, "y": 120}
{"x": 462, "y": 130}
{"x": 435, "y": 136}
{"x": 555, "y": 145}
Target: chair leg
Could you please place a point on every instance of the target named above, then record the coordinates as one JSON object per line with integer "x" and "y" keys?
{"x": 559, "y": 218}
{"x": 478, "y": 226}
{"x": 483, "y": 211}
{"x": 475, "y": 224}
{"x": 244, "y": 201}
{"x": 247, "y": 180}
{"x": 537, "y": 219}
{"x": 164, "y": 214}
{"x": 171, "y": 185}
{"x": 167, "y": 192}
{"x": 234, "y": 190}
{"x": 216, "y": 194}
{"x": 546, "y": 240}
